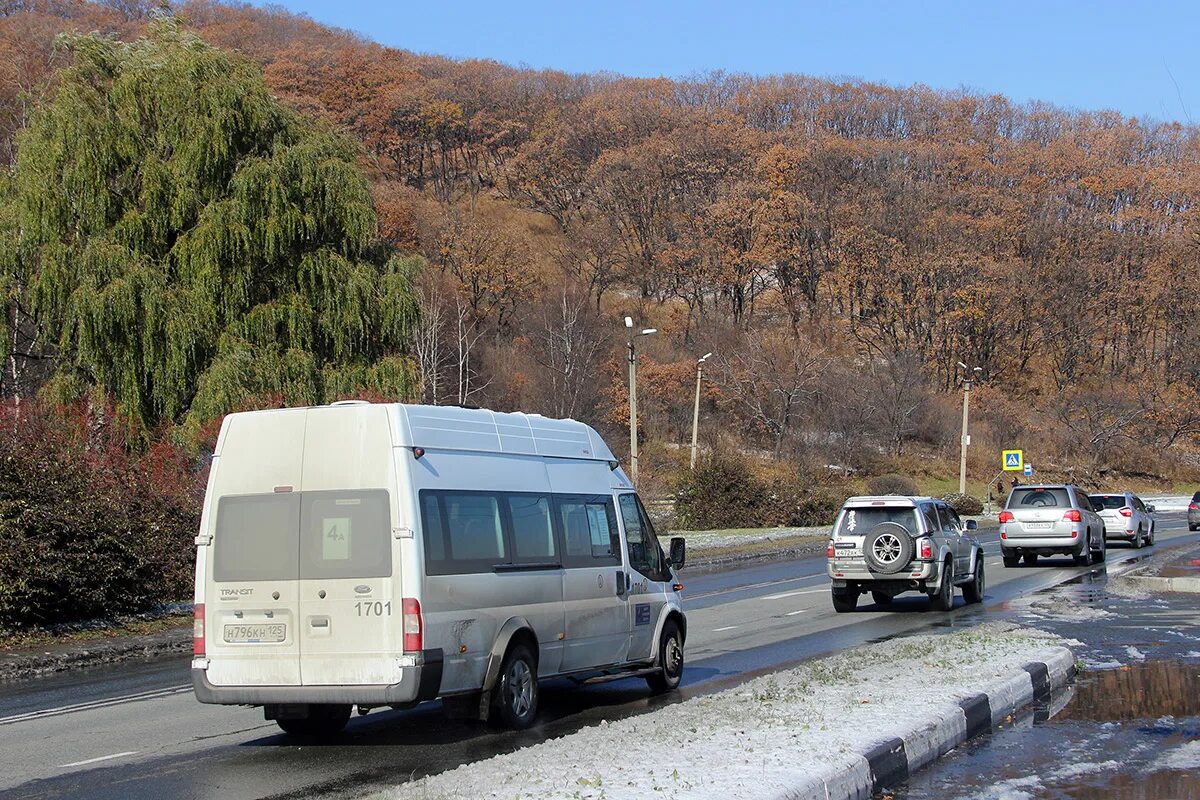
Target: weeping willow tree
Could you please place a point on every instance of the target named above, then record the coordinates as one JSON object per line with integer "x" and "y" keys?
{"x": 192, "y": 246}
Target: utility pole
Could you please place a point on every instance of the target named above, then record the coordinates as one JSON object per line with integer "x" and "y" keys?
{"x": 633, "y": 443}
{"x": 969, "y": 376}
{"x": 696, "y": 409}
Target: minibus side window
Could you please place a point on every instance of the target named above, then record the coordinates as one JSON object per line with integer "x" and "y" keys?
{"x": 589, "y": 527}
{"x": 256, "y": 538}
{"x": 463, "y": 532}
{"x": 533, "y": 532}
{"x": 645, "y": 555}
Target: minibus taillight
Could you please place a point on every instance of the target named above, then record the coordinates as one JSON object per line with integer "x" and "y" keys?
{"x": 198, "y": 630}
{"x": 411, "y": 609}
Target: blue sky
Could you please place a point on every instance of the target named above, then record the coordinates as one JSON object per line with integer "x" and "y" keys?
{"x": 1137, "y": 58}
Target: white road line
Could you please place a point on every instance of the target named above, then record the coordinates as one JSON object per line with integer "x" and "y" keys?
{"x": 98, "y": 758}
{"x": 726, "y": 628}
{"x": 752, "y": 586}
{"x": 794, "y": 613}
{"x": 102, "y": 703}
{"x": 782, "y": 595}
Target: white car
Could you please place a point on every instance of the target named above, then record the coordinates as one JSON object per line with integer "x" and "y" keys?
{"x": 1126, "y": 518}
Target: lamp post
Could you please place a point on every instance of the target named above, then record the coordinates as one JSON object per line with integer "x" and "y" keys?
{"x": 969, "y": 376}
{"x": 633, "y": 444}
{"x": 696, "y": 409}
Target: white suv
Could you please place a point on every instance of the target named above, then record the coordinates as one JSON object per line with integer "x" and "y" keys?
{"x": 890, "y": 545}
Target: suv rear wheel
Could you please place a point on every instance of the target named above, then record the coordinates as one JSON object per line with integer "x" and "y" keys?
{"x": 942, "y": 598}
{"x": 1084, "y": 559}
{"x": 1030, "y": 559}
{"x": 844, "y": 600}
{"x": 1010, "y": 559}
{"x": 881, "y": 598}
{"x": 973, "y": 591}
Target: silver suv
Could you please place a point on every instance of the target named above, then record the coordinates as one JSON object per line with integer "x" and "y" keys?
{"x": 1050, "y": 520}
{"x": 891, "y": 545}
{"x": 1126, "y": 518}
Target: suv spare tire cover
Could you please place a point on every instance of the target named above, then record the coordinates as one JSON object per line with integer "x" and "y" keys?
{"x": 888, "y": 548}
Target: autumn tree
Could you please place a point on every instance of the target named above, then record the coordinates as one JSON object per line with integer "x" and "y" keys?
{"x": 189, "y": 244}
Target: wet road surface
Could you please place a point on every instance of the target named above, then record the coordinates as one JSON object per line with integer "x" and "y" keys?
{"x": 135, "y": 731}
{"x": 1129, "y": 728}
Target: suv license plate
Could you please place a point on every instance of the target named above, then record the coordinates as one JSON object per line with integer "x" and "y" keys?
{"x": 269, "y": 633}
{"x": 1038, "y": 526}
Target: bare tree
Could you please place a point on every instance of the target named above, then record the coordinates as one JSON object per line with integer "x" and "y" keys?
{"x": 567, "y": 345}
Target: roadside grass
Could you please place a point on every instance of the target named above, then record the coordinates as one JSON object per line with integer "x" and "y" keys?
{"x": 95, "y": 631}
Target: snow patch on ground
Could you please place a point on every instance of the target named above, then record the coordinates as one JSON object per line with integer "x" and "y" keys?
{"x": 1058, "y": 606}
{"x": 1076, "y": 770}
{"x": 705, "y": 541}
{"x": 1185, "y": 756}
{"x": 764, "y": 737}
{"x": 1135, "y": 654}
{"x": 1011, "y": 789}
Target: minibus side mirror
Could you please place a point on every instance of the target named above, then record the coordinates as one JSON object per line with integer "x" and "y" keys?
{"x": 678, "y": 551}
{"x": 972, "y": 525}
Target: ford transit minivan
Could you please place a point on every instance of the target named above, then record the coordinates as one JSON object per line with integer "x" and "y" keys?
{"x": 370, "y": 555}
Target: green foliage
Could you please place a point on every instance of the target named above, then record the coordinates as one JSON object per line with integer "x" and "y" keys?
{"x": 964, "y": 504}
{"x": 190, "y": 244}
{"x": 87, "y": 530}
{"x": 727, "y": 490}
{"x": 892, "y": 483}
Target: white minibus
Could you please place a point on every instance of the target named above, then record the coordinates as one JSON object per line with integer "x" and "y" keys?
{"x": 381, "y": 555}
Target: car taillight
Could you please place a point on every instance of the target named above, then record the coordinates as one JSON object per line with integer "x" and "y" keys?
{"x": 1073, "y": 515}
{"x": 829, "y": 551}
{"x": 198, "y": 629}
{"x": 1193, "y": 507}
{"x": 926, "y": 548}
{"x": 413, "y": 635}
{"x": 1006, "y": 516}
{"x": 1126, "y": 512}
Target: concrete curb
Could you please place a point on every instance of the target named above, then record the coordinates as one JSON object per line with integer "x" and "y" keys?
{"x": 893, "y": 760}
{"x": 1181, "y": 584}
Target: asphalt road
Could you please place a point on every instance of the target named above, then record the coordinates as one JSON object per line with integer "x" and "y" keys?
{"x": 135, "y": 731}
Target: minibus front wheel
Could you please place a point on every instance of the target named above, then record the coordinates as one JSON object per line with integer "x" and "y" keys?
{"x": 670, "y": 659}
{"x": 322, "y": 720}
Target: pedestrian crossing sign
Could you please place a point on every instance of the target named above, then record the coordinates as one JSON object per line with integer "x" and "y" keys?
{"x": 1014, "y": 460}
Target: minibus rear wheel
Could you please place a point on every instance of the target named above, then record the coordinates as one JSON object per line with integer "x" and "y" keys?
{"x": 322, "y": 720}
{"x": 516, "y": 695}
{"x": 670, "y": 659}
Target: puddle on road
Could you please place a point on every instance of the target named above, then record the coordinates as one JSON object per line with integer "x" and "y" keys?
{"x": 1131, "y": 733}
{"x": 1184, "y": 568}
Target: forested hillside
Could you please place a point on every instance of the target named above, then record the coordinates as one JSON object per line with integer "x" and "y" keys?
{"x": 839, "y": 245}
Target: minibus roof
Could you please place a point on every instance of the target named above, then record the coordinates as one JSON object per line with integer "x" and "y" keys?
{"x": 479, "y": 430}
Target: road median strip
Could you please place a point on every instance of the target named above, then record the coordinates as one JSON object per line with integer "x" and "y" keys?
{"x": 844, "y": 726}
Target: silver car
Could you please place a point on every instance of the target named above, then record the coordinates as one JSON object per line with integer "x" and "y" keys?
{"x": 891, "y": 545}
{"x": 1126, "y": 518}
{"x": 1050, "y": 520}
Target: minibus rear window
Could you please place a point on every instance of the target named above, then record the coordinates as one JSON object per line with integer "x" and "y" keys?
{"x": 345, "y": 534}
{"x": 257, "y": 538}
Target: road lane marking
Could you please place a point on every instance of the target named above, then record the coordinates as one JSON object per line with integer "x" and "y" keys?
{"x": 752, "y": 586}
{"x": 794, "y": 613}
{"x": 93, "y": 704}
{"x": 726, "y": 628}
{"x": 782, "y": 595}
{"x": 97, "y": 759}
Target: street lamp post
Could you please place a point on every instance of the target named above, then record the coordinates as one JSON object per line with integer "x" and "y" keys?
{"x": 696, "y": 409}
{"x": 633, "y": 444}
{"x": 969, "y": 376}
